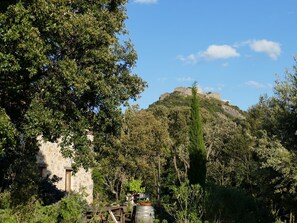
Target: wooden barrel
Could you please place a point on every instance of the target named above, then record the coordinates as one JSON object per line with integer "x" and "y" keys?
{"x": 144, "y": 214}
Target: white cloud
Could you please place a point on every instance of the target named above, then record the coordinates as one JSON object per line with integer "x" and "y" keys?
{"x": 216, "y": 52}
{"x": 192, "y": 58}
{"x": 213, "y": 52}
{"x": 272, "y": 49}
{"x": 146, "y": 1}
{"x": 220, "y": 52}
{"x": 255, "y": 84}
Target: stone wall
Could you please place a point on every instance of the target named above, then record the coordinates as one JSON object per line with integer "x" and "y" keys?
{"x": 52, "y": 163}
{"x": 187, "y": 91}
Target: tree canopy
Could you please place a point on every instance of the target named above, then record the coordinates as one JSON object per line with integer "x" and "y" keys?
{"x": 65, "y": 70}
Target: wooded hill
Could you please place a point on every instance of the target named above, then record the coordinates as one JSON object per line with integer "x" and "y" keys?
{"x": 208, "y": 104}
{"x": 153, "y": 146}
{"x": 251, "y": 174}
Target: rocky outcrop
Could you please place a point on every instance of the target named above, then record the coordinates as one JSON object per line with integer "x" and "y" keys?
{"x": 214, "y": 95}
{"x": 233, "y": 112}
{"x": 163, "y": 96}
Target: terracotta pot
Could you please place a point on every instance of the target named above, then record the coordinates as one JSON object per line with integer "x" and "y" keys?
{"x": 145, "y": 204}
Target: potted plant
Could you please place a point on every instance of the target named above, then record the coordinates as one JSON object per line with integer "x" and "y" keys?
{"x": 145, "y": 202}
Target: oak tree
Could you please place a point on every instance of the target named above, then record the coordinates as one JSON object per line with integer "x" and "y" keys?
{"x": 65, "y": 70}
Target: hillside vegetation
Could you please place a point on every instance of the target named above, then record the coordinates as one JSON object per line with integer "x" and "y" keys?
{"x": 251, "y": 171}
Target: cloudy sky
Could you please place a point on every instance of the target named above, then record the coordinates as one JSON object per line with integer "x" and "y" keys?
{"x": 236, "y": 48}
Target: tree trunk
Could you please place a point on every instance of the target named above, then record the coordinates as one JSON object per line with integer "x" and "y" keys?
{"x": 159, "y": 180}
{"x": 175, "y": 166}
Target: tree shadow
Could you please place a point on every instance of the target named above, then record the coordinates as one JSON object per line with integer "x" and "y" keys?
{"x": 25, "y": 176}
{"x": 227, "y": 204}
{"x": 48, "y": 192}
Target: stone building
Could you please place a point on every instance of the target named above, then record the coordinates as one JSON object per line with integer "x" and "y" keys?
{"x": 51, "y": 162}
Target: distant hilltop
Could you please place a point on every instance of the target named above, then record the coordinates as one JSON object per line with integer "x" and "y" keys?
{"x": 187, "y": 91}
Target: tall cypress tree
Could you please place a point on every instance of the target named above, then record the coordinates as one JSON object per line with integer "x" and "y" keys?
{"x": 197, "y": 152}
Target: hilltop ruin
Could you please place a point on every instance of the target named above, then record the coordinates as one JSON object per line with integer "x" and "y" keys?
{"x": 187, "y": 91}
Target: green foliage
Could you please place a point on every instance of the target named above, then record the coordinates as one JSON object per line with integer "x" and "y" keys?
{"x": 7, "y": 133}
{"x": 285, "y": 108}
{"x": 176, "y": 120}
{"x": 187, "y": 203}
{"x": 232, "y": 163}
{"x": 234, "y": 205}
{"x": 274, "y": 126}
{"x": 5, "y": 200}
{"x": 174, "y": 100}
{"x": 211, "y": 105}
{"x": 276, "y": 175}
{"x": 65, "y": 70}
{"x": 251, "y": 157}
{"x": 261, "y": 117}
{"x": 135, "y": 185}
{"x": 227, "y": 142}
{"x": 144, "y": 201}
{"x": 277, "y": 115}
{"x": 69, "y": 209}
{"x": 98, "y": 182}
{"x": 197, "y": 152}
{"x": 135, "y": 153}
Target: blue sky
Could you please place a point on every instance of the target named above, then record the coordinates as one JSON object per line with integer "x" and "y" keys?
{"x": 235, "y": 48}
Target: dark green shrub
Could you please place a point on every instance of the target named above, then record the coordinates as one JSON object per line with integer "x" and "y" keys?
{"x": 234, "y": 205}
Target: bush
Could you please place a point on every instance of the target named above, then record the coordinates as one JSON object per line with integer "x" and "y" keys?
{"x": 69, "y": 209}
{"x": 5, "y": 200}
{"x": 186, "y": 205}
{"x": 234, "y": 205}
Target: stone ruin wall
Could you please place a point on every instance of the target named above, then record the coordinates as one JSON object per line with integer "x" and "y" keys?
{"x": 187, "y": 91}
{"x": 53, "y": 163}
